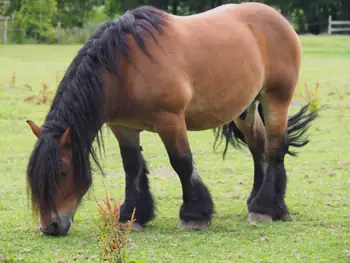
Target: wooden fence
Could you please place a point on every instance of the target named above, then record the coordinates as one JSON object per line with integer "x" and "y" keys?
{"x": 5, "y": 19}
{"x": 4, "y": 28}
{"x": 332, "y": 23}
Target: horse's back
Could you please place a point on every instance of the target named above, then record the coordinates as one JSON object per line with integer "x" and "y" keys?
{"x": 244, "y": 24}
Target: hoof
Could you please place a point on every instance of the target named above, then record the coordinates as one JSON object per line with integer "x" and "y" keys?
{"x": 135, "y": 227}
{"x": 255, "y": 217}
{"x": 192, "y": 225}
{"x": 287, "y": 218}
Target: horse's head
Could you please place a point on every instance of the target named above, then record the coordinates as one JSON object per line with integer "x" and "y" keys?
{"x": 53, "y": 183}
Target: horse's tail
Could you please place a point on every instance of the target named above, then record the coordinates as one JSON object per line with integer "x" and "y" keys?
{"x": 298, "y": 125}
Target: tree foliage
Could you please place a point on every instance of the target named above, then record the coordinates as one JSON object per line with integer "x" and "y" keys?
{"x": 34, "y": 20}
{"x": 38, "y": 18}
{"x": 4, "y": 5}
{"x": 307, "y": 15}
{"x": 112, "y": 7}
{"x": 74, "y": 13}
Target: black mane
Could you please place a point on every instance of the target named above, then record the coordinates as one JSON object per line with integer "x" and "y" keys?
{"x": 79, "y": 102}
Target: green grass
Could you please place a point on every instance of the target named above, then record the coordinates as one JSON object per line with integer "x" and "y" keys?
{"x": 317, "y": 195}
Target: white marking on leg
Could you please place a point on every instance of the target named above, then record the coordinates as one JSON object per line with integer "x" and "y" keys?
{"x": 195, "y": 175}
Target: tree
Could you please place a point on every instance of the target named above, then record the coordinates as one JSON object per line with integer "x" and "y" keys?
{"x": 8, "y": 7}
{"x": 34, "y": 20}
{"x": 174, "y": 6}
{"x": 113, "y": 7}
{"x": 4, "y": 5}
{"x": 75, "y": 13}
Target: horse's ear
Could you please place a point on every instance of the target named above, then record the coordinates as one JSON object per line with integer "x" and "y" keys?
{"x": 35, "y": 128}
{"x": 65, "y": 139}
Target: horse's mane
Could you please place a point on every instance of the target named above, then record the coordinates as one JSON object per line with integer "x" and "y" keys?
{"x": 79, "y": 102}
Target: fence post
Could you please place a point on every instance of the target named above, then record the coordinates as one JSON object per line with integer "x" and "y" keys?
{"x": 330, "y": 25}
{"x": 58, "y": 32}
{"x": 5, "y": 30}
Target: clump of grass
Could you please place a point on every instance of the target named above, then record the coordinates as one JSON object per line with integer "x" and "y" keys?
{"x": 342, "y": 103}
{"x": 13, "y": 79}
{"x": 58, "y": 77}
{"x": 114, "y": 234}
{"x": 43, "y": 97}
{"x": 312, "y": 96}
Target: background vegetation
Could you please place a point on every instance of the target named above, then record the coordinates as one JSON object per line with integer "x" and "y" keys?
{"x": 36, "y": 20}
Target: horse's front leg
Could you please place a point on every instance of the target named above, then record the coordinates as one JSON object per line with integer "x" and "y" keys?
{"x": 197, "y": 208}
{"x": 137, "y": 193}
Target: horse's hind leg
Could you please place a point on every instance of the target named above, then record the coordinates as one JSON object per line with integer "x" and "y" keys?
{"x": 197, "y": 208}
{"x": 137, "y": 193}
{"x": 269, "y": 201}
{"x": 253, "y": 130}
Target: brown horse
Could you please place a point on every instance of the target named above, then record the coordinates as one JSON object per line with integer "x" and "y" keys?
{"x": 233, "y": 69}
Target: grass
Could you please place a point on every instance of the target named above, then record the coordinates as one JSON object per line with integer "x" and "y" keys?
{"x": 317, "y": 195}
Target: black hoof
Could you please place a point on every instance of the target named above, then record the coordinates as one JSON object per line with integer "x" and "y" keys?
{"x": 134, "y": 227}
{"x": 282, "y": 212}
{"x": 276, "y": 210}
{"x": 144, "y": 210}
{"x": 197, "y": 211}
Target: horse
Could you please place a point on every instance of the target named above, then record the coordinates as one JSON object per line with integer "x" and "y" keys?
{"x": 232, "y": 69}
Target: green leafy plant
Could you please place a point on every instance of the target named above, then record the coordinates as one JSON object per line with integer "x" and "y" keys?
{"x": 34, "y": 21}
{"x": 342, "y": 103}
{"x": 13, "y": 79}
{"x": 312, "y": 96}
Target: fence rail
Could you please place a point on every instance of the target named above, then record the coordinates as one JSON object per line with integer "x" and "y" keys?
{"x": 332, "y": 23}
{"x": 5, "y": 19}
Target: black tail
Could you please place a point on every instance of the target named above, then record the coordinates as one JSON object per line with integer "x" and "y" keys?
{"x": 298, "y": 125}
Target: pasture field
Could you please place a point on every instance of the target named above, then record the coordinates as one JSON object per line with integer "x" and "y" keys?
{"x": 318, "y": 192}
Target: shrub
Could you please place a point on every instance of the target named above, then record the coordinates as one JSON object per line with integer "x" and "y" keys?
{"x": 312, "y": 96}
{"x": 34, "y": 21}
{"x": 113, "y": 238}
{"x": 43, "y": 97}
{"x": 78, "y": 35}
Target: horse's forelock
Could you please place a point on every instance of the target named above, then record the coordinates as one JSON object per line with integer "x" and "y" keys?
{"x": 41, "y": 174}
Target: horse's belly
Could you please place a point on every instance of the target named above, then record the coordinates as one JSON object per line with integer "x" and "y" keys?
{"x": 222, "y": 93}
{"x": 218, "y": 108}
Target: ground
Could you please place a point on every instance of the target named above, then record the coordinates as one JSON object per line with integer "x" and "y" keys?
{"x": 317, "y": 194}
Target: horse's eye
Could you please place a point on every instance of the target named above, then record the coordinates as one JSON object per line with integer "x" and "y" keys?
{"x": 64, "y": 175}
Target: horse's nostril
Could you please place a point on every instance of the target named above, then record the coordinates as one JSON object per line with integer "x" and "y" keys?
{"x": 54, "y": 226}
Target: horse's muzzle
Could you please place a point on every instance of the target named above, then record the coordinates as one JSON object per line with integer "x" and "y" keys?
{"x": 57, "y": 227}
